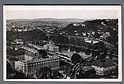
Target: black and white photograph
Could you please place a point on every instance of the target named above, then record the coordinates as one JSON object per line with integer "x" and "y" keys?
{"x": 62, "y": 43}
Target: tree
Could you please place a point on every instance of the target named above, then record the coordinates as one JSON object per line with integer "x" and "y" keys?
{"x": 76, "y": 58}
{"x": 9, "y": 70}
{"x": 43, "y": 73}
{"x": 43, "y": 53}
{"x": 19, "y": 75}
{"x": 60, "y": 39}
{"x": 96, "y": 35}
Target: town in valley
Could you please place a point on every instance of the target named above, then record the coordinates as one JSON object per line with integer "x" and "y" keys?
{"x": 49, "y": 48}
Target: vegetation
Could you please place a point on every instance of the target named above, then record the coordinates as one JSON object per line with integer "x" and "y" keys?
{"x": 13, "y": 74}
{"x": 31, "y": 35}
{"x": 59, "y": 39}
{"x": 76, "y": 58}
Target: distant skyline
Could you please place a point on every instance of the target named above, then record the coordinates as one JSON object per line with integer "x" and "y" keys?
{"x": 61, "y": 12}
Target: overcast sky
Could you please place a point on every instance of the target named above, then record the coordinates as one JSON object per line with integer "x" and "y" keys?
{"x": 81, "y": 12}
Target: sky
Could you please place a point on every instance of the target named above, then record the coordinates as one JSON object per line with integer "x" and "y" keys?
{"x": 61, "y": 12}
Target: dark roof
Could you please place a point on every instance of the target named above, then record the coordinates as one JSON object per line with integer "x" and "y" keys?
{"x": 100, "y": 63}
{"x": 86, "y": 68}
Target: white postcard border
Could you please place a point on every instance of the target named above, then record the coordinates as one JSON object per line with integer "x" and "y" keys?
{"x": 66, "y": 80}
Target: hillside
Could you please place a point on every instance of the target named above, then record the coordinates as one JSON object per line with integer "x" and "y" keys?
{"x": 93, "y": 25}
{"x": 31, "y": 35}
{"x": 50, "y": 19}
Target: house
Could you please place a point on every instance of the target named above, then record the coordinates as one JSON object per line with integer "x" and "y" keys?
{"x": 18, "y": 41}
{"x": 104, "y": 67}
{"x": 30, "y": 53}
{"x": 19, "y": 66}
{"x": 105, "y": 35}
{"x": 87, "y": 71}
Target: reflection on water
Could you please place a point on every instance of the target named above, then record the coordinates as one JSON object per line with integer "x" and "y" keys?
{"x": 70, "y": 50}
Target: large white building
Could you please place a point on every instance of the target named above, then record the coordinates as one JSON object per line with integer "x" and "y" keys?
{"x": 33, "y": 61}
{"x": 51, "y": 47}
{"x": 104, "y": 67}
{"x": 30, "y": 67}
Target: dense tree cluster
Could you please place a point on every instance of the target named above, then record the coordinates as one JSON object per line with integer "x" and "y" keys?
{"x": 59, "y": 39}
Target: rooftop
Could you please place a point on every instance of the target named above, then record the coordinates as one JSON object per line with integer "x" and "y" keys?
{"x": 100, "y": 63}
{"x": 43, "y": 59}
{"x": 86, "y": 68}
{"x": 30, "y": 49}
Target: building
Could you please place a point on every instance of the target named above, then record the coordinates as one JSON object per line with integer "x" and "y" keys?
{"x": 104, "y": 35}
{"x": 30, "y": 53}
{"x": 15, "y": 55}
{"x": 31, "y": 66}
{"x": 37, "y": 47}
{"x": 87, "y": 40}
{"x": 19, "y": 66}
{"x": 35, "y": 51}
{"x": 87, "y": 71}
{"x": 51, "y": 47}
{"x": 104, "y": 67}
{"x": 54, "y": 48}
{"x": 19, "y": 41}
{"x": 34, "y": 59}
